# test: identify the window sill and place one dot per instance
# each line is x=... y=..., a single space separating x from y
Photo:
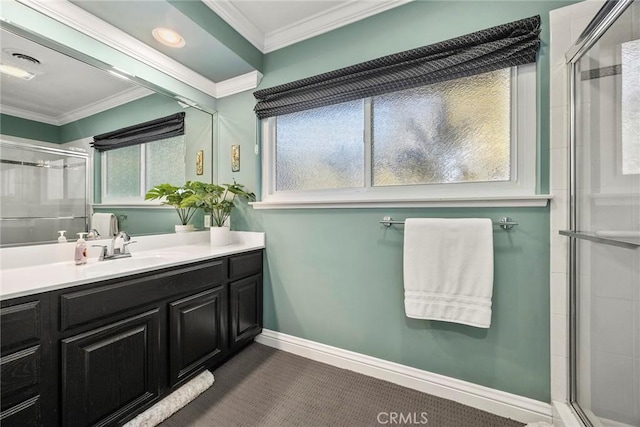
x=462 y=202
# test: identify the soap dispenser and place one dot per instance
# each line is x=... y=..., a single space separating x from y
x=61 y=238
x=81 y=250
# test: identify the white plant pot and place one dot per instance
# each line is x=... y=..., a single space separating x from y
x=184 y=228
x=219 y=236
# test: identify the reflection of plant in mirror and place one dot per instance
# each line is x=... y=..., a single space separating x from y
x=217 y=200
x=178 y=197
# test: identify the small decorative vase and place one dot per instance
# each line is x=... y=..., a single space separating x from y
x=219 y=236
x=184 y=228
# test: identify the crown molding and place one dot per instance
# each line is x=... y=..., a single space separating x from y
x=239 y=84
x=331 y=19
x=80 y=113
x=104 y=104
x=232 y=16
x=320 y=23
x=28 y=115
x=78 y=19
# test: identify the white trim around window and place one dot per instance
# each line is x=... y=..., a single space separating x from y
x=519 y=191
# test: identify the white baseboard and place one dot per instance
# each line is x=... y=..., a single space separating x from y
x=498 y=402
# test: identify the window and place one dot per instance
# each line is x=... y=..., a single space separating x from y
x=129 y=172
x=470 y=137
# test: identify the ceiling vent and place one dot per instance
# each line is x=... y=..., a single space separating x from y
x=23 y=57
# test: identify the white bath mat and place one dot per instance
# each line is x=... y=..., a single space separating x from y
x=172 y=403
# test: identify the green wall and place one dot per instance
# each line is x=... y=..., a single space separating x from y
x=29 y=129
x=335 y=275
x=199 y=13
x=141 y=221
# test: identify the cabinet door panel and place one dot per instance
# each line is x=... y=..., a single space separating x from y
x=245 y=305
x=196 y=332
x=109 y=371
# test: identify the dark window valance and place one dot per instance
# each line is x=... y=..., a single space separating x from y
x=507 y=45
x=154 y=130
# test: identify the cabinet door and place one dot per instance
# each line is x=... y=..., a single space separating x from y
x=196 y=328
x=245 y=309
x=110 y=371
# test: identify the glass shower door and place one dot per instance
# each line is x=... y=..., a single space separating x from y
x=605 y=217
x=42 y=190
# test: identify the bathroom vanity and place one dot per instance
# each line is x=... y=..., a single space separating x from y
x=101 y=351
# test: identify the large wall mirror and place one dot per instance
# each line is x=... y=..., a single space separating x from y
x=51 y=106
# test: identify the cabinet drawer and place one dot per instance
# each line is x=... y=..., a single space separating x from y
x=84 y=306
x=20 y=370
x=245 y=265
x=26 y=414
x=20 y=324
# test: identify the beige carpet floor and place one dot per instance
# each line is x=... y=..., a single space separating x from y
x=262 y=386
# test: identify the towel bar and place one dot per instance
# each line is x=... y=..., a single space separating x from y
x=505 y=223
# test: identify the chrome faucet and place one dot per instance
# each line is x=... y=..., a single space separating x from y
x=115 y=251
x=93 y=234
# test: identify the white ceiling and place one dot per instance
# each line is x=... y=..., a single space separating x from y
x=273 y=24
x=202 y=53
x=63 y=90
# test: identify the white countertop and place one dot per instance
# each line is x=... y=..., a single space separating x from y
x=34 y=269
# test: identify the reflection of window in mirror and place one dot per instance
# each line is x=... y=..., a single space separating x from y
x=631 y=107
x=126 y=174
x=129 y=172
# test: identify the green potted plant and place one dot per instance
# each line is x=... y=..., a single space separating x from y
x=218 y=201
x=178 y=197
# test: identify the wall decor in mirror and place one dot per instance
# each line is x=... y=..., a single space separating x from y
x=51 y=106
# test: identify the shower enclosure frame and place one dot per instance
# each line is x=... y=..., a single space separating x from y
x=80 y=155
x=601 y=22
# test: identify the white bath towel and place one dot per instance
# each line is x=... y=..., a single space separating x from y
x=105 y=223
x=448 y=270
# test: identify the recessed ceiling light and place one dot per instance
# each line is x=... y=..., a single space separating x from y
x=16 y=72
x=168 y=37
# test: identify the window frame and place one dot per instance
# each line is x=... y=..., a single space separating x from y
x=521 y=186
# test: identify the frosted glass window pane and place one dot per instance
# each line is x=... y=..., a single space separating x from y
x=321 y=148
x=165 y=162
x=123 y=172
x=631 y=107
x=455 y=131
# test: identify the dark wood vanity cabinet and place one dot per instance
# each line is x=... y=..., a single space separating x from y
x=26 y=363
x=197 y=332
x=245 y=298
x=98 y=354
x=109 y=371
